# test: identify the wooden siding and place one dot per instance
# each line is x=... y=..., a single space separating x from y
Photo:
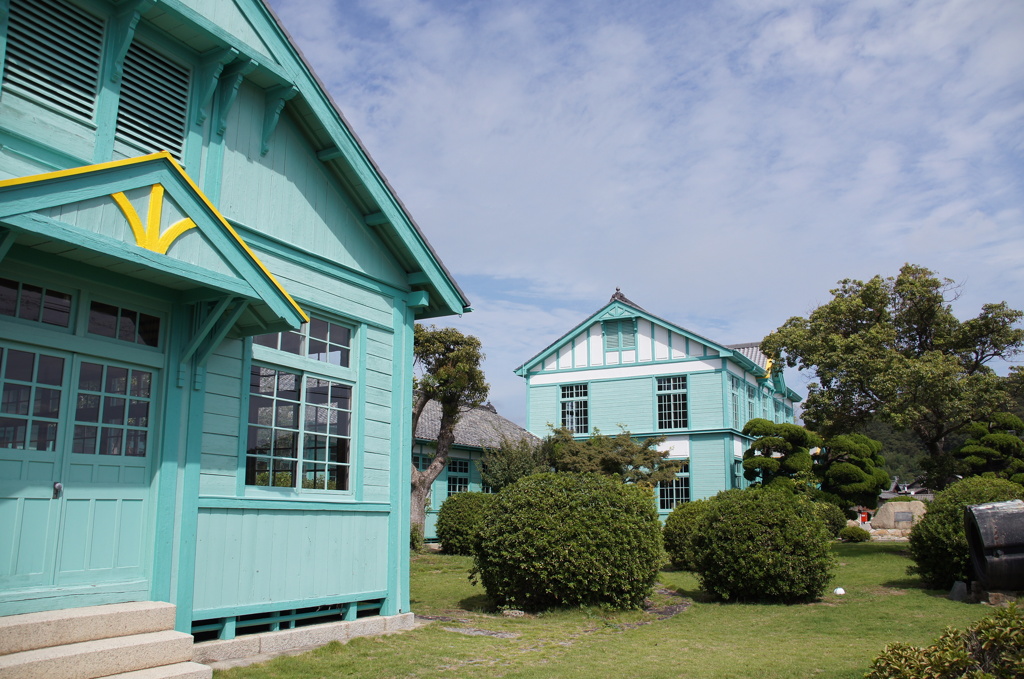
x=704 y=396
x=379 y=419
x=226 y=15
x=543 y=410
x=289 y=195
x=710 y=460
x=323 y=289
x=103 y=216
x=262 y=556
x=618 y=404
x=223 y=420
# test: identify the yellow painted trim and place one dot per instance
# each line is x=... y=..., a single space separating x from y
x=238 y=238
x=150 y=237
x=86 y=169
x=177 y=228
x=160 y=155
x=128 y=210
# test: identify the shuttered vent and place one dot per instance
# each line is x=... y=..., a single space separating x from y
x=628 y=334
x=53 y=54
x=154 y=102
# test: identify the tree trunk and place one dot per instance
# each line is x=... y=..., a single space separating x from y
x=423 y=480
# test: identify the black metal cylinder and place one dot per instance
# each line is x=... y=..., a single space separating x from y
x=995 y=536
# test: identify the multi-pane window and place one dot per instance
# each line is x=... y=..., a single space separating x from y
x=123 y=324
x=574 y=408
x=619 y=334
x=734 y=384
x=112 y=410
x=30 y=395
x=674 y=492
x=458 y=476
x=34 y=303
x=299 y=432
x=672 y=402
x=318 y=340
x=751 y=402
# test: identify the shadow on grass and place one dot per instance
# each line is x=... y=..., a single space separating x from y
x=478 y=603
x=859 y=550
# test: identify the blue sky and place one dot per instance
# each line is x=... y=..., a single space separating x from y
x=723 y=163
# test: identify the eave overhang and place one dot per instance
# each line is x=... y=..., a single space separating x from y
x=145 y=218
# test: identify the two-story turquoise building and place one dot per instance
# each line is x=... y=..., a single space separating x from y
x=207 y=299
x=625 y=368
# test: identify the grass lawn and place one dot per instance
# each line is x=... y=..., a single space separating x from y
x=836 y=637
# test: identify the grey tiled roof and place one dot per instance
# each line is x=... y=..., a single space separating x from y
x=481 y=427
x=751 y=350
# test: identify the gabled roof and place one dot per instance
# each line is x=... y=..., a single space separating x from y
x=128 y=216
x=619 y=306
x=480 y=427
x=752 y=350
x=273 y=61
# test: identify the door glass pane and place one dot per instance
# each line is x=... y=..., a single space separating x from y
x=32 y=397
x=20 y=365
x=102 y=399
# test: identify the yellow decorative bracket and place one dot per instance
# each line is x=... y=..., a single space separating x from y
x=149 y=236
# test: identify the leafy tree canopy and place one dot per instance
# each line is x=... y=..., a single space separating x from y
x=510 y=461
x=891 y=348
x=630 y=460
x=846 y=470
x=851 y=466
x=780 y=452
x=993 y=448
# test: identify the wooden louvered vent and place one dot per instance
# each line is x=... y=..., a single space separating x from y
x=53 y=55
x=154 y=102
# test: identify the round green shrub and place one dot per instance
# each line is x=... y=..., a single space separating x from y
x=459 y=519
x=565 y=539
x=761 y=545
x=854 y=534
x=833 y=516
x=992 y=648
x=679 y=529
x=938 y=543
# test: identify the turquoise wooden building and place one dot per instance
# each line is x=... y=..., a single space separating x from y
x=624 y=367
x=478 y=429
x=207 y=300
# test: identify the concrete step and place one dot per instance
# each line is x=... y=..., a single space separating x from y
x=182 y=670
x=74 y=625
x=99 y=658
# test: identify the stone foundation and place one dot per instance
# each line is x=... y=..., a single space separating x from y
x=263 y=646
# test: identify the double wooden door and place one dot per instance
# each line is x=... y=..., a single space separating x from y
x=77 y=449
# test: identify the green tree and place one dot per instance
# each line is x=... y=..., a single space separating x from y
x=510 y=461
x=780 y=453
x=903 y=451
x=851 y=467
x=993 y=448
x=449 y=373
x=629 y=459
x=891 y=348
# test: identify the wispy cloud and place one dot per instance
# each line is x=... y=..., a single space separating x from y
x=724 y=163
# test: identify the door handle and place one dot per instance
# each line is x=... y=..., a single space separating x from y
x=58 y=490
